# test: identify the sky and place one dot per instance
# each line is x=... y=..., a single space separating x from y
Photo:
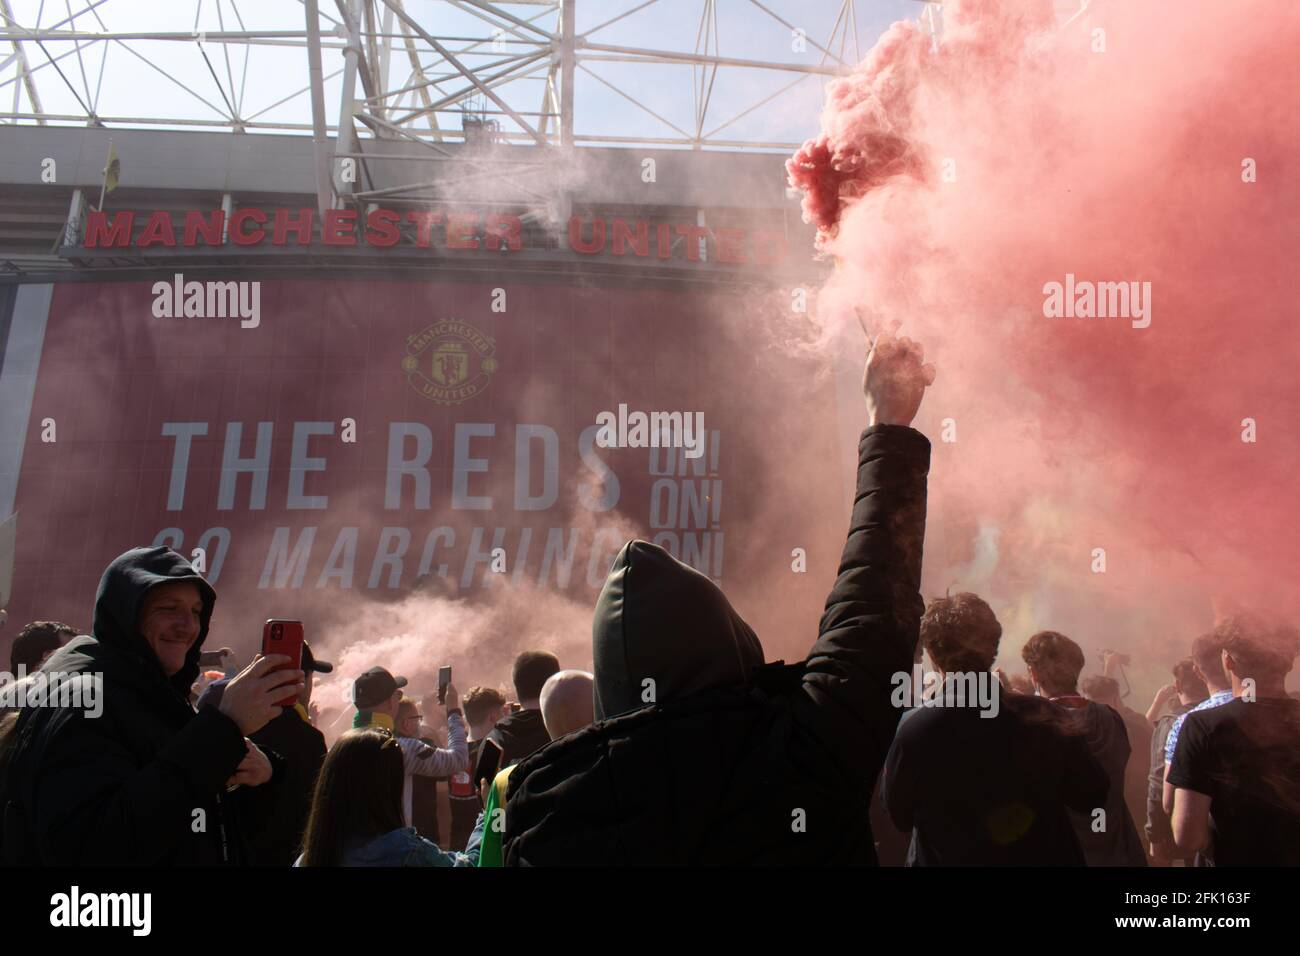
x=126 y=79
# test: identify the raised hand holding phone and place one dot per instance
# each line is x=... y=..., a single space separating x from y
x=284 y=638
x=251 y=699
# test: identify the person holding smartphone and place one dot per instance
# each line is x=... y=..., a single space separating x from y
x=126 y=785
x=377 y=695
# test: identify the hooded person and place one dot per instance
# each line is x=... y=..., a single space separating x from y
x=702 y=754
x=143 y=779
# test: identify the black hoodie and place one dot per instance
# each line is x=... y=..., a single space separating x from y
x=700 y=753
x=518 y=735
x=142 y=782
x=660 y=620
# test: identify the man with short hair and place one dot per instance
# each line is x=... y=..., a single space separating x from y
x=34 y=645
x=1236 y=767
x=424 y=789
x=377 y=695
x=1170 y=703
x=1207 y=657
x=566 y=703
x=484 y=706
x=522 y=732
x=984 y=787
x=1106 y=831
x=129 y=786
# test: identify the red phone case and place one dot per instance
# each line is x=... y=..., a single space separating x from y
x=289 y=641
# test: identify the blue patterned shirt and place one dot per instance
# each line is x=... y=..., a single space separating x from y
x=1214 y=700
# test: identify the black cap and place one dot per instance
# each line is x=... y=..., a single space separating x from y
x=374 y=687
x=310 y=664
x=212 y=694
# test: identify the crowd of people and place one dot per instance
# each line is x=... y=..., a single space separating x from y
x=683 y=745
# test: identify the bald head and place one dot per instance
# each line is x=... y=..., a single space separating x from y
x=567 y=702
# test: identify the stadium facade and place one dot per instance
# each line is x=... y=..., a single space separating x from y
x=413 y=404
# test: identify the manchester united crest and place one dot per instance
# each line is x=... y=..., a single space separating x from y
x=449 y=362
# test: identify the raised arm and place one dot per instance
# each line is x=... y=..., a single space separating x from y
x=425 y=761
x=869 y=629
x=1160 y=701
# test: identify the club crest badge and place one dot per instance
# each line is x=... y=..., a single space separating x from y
x=449 y=362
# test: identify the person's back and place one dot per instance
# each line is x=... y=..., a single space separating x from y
x=990 y=790
x=1106 y=831
x=1112 y=839
x=700 y=754
x=1137 y=768
x=400 y=847
x=303 y=747
x=521 y=733
x=356 y=809
x=702 y=780
x=1101 y=689
x=1159 y=836
x=978 y=775
x=1245 y=756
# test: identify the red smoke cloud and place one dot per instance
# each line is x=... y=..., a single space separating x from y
x=954 y=181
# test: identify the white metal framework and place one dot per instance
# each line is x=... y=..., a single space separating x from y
x=404 y=76
x=414 y=77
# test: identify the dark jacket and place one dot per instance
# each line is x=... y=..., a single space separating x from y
x=736 y=762
x=1102 y=728
x=519 y=735
x=144 y=782
x=277 y=839
x=1138 y=767
x=975 y=790
x=1158 y=827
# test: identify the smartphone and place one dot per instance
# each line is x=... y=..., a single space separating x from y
x=489 y=762
x=284 y=637
x=444 y=680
